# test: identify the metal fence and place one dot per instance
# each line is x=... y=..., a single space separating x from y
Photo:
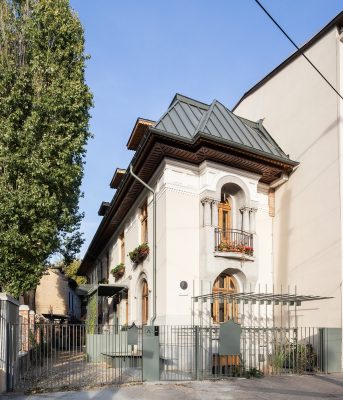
x=55 y=356
x=192 y=352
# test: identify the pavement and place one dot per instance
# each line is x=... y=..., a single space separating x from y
x=294 y=387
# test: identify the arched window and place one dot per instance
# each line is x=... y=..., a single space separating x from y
x=145 y=302
x=224 y=308
x=232 y=198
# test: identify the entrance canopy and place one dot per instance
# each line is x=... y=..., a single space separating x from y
x=261 y=298
x=103 y=289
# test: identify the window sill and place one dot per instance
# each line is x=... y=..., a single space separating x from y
x=233 y=255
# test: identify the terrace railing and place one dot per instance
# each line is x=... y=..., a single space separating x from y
x=234 y=241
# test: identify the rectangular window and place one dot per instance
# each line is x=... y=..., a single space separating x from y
x=144 y=223
x=122 y=248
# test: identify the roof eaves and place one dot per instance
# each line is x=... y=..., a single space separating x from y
x=133 y=137
x=113 y=202
x=117 y=176
x=248 y=149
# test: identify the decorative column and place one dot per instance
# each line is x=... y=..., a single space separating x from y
x=245 y=220
x=215 y=213
x=207 y=211
x=252 y=220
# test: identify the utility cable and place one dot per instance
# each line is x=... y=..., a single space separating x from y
x=298 y=48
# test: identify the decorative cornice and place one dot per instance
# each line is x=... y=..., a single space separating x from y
x=154 y=147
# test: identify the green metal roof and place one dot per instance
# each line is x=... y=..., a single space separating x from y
x=187 y=118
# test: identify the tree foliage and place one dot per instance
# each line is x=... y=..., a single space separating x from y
x=44 y=117
x=71 y=271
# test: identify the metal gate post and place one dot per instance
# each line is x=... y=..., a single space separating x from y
x=9 y=318
x=151 y=353
x=9 y=373
x=196 y=352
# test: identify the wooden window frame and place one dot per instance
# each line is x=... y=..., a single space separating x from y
x=144 y=222
x=122 y=248
x=224 y=211
x=229 y=310
x=145 y=302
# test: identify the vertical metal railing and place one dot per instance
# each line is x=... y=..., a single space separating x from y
x=189 y=353
x=234 y=240
x=62 y=355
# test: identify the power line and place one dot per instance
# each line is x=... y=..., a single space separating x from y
x=298 y=48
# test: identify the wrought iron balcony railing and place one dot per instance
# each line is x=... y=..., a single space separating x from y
x=234 y=241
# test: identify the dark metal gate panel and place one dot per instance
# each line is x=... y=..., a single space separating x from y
x=178 y=353
x=55 y=356
x=330 y=349
x=193 y=352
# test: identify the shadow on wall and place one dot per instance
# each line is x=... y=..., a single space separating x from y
x=281 y=261
x=328 y=130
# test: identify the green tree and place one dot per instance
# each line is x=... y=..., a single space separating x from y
x=71 y=271
x=44 y=122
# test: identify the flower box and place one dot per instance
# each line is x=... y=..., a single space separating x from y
x=140 y=253
x=234 y=247
x=119 y=271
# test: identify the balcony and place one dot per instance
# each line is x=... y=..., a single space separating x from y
x=234 y=243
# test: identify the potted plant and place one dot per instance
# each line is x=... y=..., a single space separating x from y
x=140 y=253
x=118 y=271
x=235 y=247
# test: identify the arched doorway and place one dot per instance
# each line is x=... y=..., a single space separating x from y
x=145 y=302
x=224 y=308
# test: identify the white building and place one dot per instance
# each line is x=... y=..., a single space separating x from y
x=305 y=117
x=215 y=176
x=234 y=212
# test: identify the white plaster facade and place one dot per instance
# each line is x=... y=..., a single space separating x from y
x=187 y=198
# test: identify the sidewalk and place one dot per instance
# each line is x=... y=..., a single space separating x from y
x=305 y=387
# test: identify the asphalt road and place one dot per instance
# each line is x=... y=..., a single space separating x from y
x=305 y=387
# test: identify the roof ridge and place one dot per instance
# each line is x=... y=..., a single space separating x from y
x=204 y=119
x=255 y=127
x=188 y=100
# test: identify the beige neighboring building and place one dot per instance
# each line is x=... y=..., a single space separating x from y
x=305 y=117
x=55 y=296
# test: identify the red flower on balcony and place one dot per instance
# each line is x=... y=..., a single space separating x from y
x=234 y=247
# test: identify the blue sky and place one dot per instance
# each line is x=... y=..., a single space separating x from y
x=145 y=51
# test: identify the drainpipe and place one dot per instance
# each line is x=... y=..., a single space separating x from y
x=154 y=243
